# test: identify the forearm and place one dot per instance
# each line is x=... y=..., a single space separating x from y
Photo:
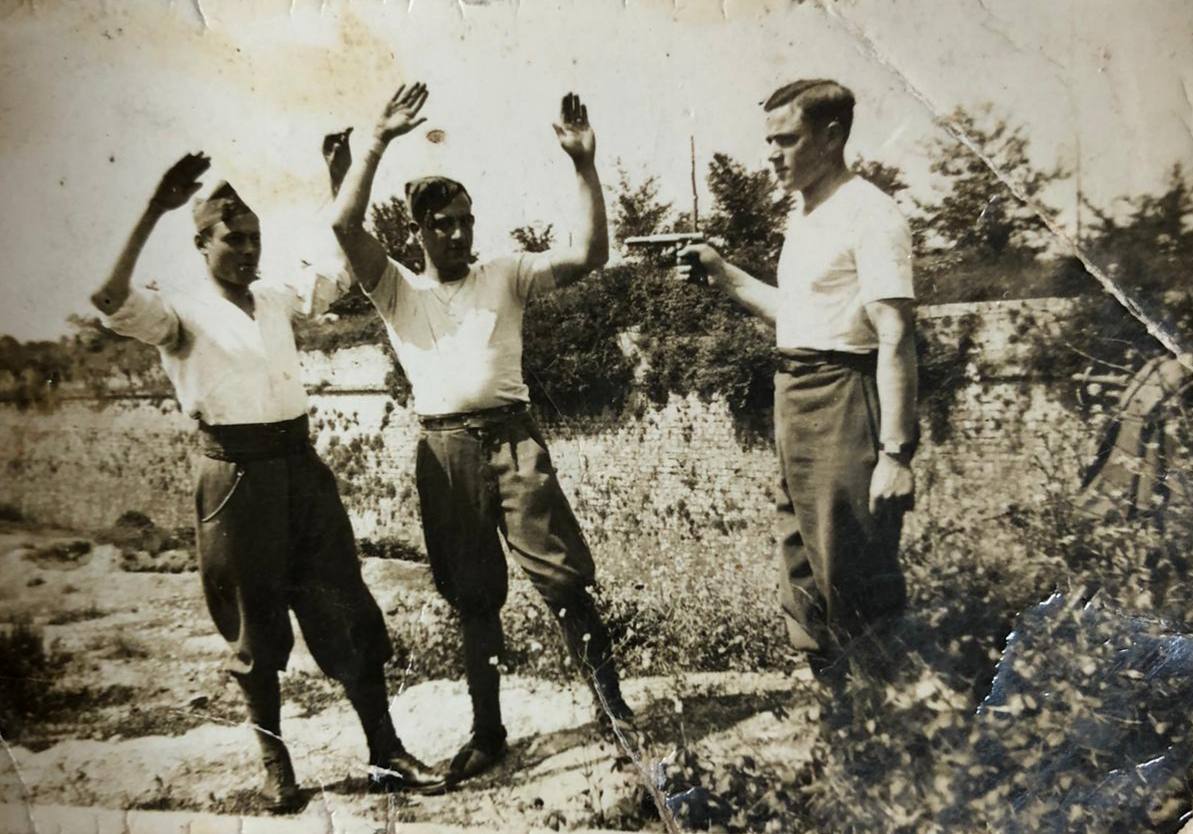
x=594 y=226
x=365 y=255
x=591 y=250
x=897 y=388
x=352 y=195
x=112 y=294
x=758 y=297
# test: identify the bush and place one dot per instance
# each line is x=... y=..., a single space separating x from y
x=572 y=359
x=27 y=671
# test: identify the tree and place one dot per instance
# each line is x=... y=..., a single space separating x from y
x=979 y=216
x=637 y=210
x=532 y=238
x=391 y=226
x=748 y=217
x=1151 y=248
x=1147 y=250
x=888 y=178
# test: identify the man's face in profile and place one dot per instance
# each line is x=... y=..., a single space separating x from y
x=800 y=153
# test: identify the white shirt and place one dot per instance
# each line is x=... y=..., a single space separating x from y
x=460 y=343
x=851 y=250
x=228 y=367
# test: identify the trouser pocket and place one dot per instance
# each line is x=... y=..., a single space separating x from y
x=218 y=481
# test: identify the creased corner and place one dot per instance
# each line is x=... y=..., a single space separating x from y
x=867 y=46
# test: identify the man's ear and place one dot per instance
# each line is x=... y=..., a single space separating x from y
x=201 y=242
x=414 y=230
x=834 y=134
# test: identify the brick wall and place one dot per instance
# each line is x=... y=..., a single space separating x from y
x=670 y=477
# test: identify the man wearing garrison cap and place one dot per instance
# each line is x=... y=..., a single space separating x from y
x=482 y=469
x=272 y=533
x=845 y=391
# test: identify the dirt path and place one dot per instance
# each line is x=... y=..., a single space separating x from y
x=144 y=719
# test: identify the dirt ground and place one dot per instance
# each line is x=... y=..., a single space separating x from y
x=136 y=713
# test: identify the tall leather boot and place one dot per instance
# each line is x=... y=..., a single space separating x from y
x=483 y=640
x=590 y=646
x=262 y=695
x=391 y=768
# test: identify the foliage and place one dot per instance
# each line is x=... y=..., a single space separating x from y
x=1079 y=728
x=979 y=216
x=26 y=671
x=695 y=341
x=687 y=339
x=888 y=178
x=944 y=371
x=89 y=356
x=392 y=225
x=534 y=238
x=572 y=358
x=748 y=218
x=1148 y=252
x=637 y=209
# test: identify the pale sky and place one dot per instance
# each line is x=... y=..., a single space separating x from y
x=99 y=98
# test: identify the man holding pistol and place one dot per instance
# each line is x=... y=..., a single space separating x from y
x=845 y=391
x=482 y=464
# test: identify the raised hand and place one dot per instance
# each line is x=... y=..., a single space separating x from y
x=573 y=130
x=181 y=182
x=401 y=112
x=337 y=153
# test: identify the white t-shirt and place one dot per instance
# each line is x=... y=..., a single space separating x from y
x=460 y=343
x=853 y=249
x=226 y=367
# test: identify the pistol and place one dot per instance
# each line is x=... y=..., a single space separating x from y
x=671 y=240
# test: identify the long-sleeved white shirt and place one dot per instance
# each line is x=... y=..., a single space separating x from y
x=228 y=367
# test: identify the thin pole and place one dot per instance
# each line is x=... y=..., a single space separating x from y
x=695 y=200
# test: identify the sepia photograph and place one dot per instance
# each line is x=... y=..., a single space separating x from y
x=596 y=415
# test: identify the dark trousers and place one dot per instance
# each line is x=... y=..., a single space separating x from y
x=840 y=569
x=487 y=475
x=273 y=536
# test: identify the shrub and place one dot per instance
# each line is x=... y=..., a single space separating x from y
x=27 y=671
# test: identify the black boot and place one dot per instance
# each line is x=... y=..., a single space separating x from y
x=614 y=716
x=591 y=648
x=483 y=640
x=391 y=768
x=279 y=791
x=483 y=750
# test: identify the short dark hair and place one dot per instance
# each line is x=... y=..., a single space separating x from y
x=822 y=101
x=427 y=195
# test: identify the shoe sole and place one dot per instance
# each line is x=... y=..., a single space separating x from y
x=453 y=780
x=405 y=787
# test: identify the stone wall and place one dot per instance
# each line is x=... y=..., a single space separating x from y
x=674 y=476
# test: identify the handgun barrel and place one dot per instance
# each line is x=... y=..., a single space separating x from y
x=665 y=239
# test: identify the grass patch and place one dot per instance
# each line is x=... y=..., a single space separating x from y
x=77 y=615
x=27 y=671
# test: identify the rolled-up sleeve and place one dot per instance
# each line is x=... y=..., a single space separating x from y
x=146 y=317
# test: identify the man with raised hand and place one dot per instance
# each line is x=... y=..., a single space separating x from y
x=272 y=533
x=845 y=391
x=482 y=464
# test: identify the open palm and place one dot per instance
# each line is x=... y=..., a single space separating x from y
x=181 y=182
x=401 y=112
x=573 y=130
